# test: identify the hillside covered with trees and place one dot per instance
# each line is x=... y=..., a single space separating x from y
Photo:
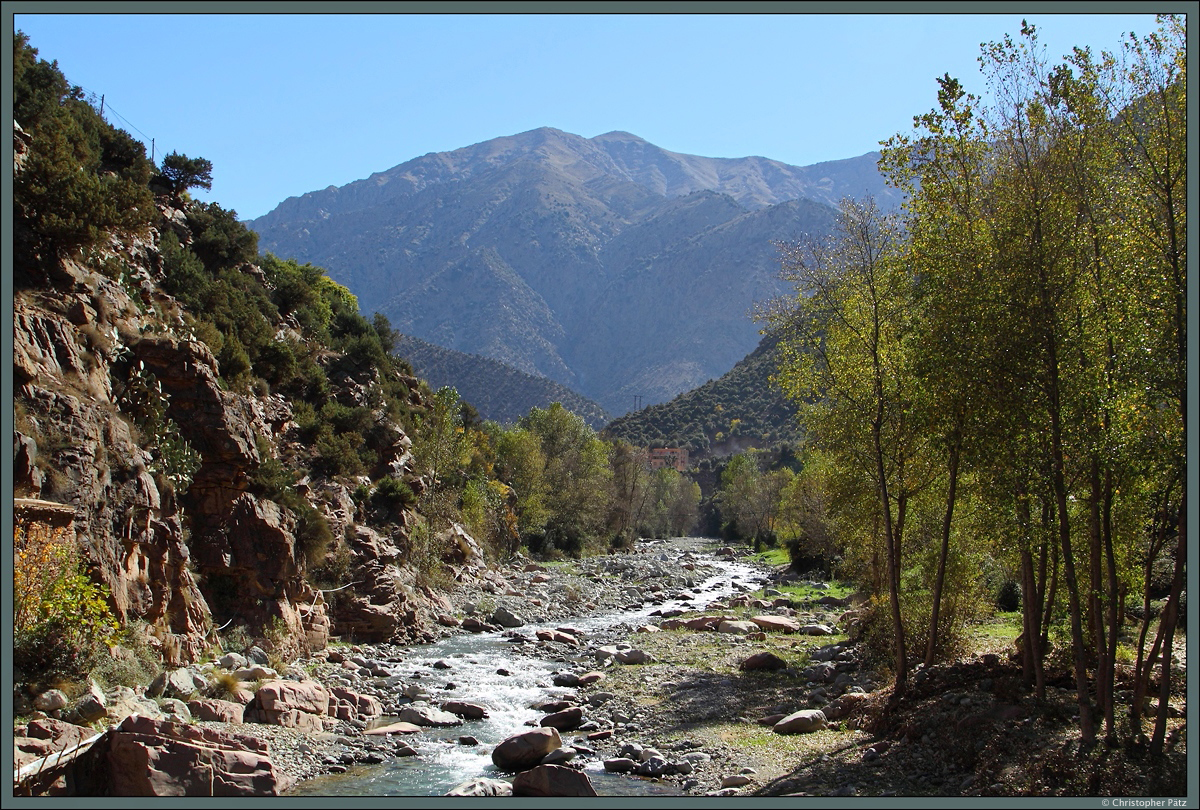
x=497 y=391
x=743 y=408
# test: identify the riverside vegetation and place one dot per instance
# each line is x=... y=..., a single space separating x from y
x=992 y=394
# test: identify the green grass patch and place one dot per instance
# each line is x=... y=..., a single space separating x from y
x=1000 y=629
x=798 y=592
x=774 y=556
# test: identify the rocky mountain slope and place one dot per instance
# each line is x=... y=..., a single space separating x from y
x=497 y=391
x=198 y=494
x=609 y=265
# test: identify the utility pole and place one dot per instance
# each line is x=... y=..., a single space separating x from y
x=637 y=402
x=101 y=105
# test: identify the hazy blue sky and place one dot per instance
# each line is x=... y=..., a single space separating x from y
x=285 y=104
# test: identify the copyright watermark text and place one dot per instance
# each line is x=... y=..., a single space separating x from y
x=1144 y=802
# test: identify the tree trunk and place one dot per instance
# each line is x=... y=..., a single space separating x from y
x=931 y=648
x=1170 y=619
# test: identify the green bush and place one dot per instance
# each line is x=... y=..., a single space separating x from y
x=393 y=496
x=337 y=454
x=60 y=616
x=82 y=178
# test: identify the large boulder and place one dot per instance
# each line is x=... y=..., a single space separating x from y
x=148 y=757
x=565 y=720
x=634 y=657
x=423 y=714
x=292 y=704
x=506 y=618
x=346 y=704
x=525 y=750
x=552 y=780
x=306 y=696
x=221 y=711
x=737 y=627
x=465 y=710
x=801 y=722
x=776 y=624
x=763 y=660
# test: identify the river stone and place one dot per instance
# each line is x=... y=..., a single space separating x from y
x=738 y=627
x=633 y=657
x=776 y=624
x=506 y=618
x=763 y=660
x=525 y=750
x=737 y=780
x=50 y=701
x=426 y=715
x=468 y=711
x=565 y=720
x=552 y=780
x=233 y=661
x=565 y=679
x=817 y=630
x=221 y=711
x=177 y=710
x=395 y=728
x=801 y=722
x=306 y=696
x=559 y=756
x=619 y=765
x=483 y=787
x=588 y=678
x=93 y=705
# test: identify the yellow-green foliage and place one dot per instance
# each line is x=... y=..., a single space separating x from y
x=59 y=613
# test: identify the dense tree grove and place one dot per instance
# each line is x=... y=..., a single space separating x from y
x=995 y=379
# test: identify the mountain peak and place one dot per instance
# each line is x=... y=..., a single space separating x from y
x=619 y=135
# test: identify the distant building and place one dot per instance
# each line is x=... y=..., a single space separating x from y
x=676 y=457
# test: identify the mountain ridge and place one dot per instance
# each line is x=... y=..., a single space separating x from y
x=608 y=264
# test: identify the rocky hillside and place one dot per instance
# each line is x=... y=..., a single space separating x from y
x=497 y=391
x=609 y=265
x=221 y=437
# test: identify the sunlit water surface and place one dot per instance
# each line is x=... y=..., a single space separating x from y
x=442 y=763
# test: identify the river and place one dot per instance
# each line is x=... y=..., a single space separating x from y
x=442 y=763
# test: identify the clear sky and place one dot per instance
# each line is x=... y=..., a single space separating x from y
x=286 y=104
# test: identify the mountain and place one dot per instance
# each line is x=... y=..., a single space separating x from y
x=741 y=409
x=609 y=265
x=497 y=391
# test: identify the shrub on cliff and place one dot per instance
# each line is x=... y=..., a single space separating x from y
x=60 y=616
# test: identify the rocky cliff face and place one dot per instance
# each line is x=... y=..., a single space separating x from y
x=185 y=556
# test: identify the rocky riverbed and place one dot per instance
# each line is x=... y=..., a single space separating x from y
x=647 y=668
